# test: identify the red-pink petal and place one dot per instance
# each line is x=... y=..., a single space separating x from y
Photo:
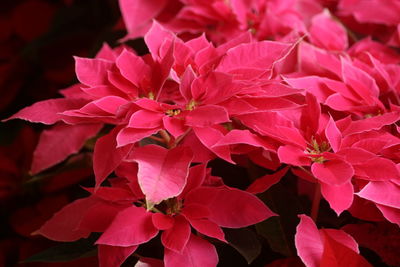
x=176 y=238
x=162 y=173
x=328 y=33
x=60 y=141
x=339 y=197
x=107 y=157
x=333 y=172
x=230 y=207
x=293 y=155
x=263 y=183
x=138 y=14
x=110 y=256
x=162 y=221
x=197 y=253
x=47 y=111
x=333 y=135
x=205 y=116
x=132 y=226
x=337 y=254
x=341 y=237
x=308 y=242
x=92 y=71
x=384 y=193
x=133 y=68
x=208 y=228
x=391 y=214
x=68 y=219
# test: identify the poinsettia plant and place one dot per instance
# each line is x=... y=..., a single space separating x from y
x=251 y=133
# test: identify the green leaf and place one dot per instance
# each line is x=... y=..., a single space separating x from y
x=245 y=242
x=280 y=231
x=65 y=252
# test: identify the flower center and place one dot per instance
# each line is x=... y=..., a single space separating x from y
x=169 y=206
x=315 y=150
x=191 y=105
x=173 y=112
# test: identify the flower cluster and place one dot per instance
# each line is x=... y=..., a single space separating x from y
x=276 y=84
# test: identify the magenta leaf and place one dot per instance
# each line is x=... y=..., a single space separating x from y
x=68 y=219
x=333 y=135
x=263 y=183
x=132 y=226
x=336 y=254
x=107 y=156
x=133 y=68
x=111 y=256
x=47 y=111
x=60 y=141
x=205 y=116
x=162 y=173
x=225 y=203
x=333 y=172
x=208 y=228
x=176 y=237
x=92 y=71
x=197 y=253
x=384 y=193
x=339 y=197
x=308 y=242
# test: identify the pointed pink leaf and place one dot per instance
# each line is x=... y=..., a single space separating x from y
x=308 y=242
x=230 y=207
x=132 y=226
x=333 y=135
x=99 y=216
x=205 y=116
x=137 y=15
x=333 y=172
x=162 y=221
x=337 y=254
x=196 y=177
x=377 y=169
x=133 y=68
x=208 y=228
x=384 y=193
x=107 y=157
x=293 y=155
x=195 y=211
x=209 y=136
x=341 y=103
x=54 y=147
x=362 y=83
x=68 y=219
x=391 y=214
x=341 y=237
x=110 y=256
x=145 y=119
x=197 y=253
x=176 y=238
x=110 y=104
x=162 y=173
x=47 y=111
x=339 y=197
x=244 y=137
x=130 y=135
x=156 y=37
x=328 y=33
x=263 y=183
x=318 y=61
x=260 y=55
x=92 y=71
x=374 y=123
